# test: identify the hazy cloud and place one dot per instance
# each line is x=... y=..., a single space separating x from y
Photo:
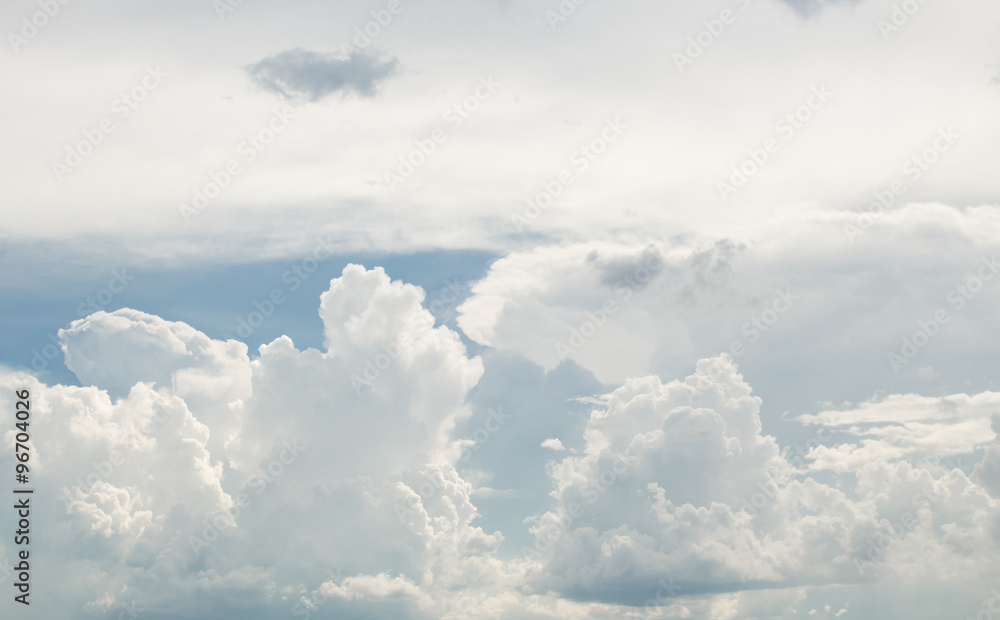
x=300 y=74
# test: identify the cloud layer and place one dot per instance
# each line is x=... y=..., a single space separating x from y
x=188 y=477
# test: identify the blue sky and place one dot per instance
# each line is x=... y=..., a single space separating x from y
x=33 y=309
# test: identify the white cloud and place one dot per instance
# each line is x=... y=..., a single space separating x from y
x=553 y=444
x=320 y=499
x=693 y=136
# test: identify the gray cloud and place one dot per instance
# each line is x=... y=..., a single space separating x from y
x=302 y=75
x=810 y=8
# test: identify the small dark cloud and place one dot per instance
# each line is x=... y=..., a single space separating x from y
x=302 y=75
x=614 y=270
x=811 y=8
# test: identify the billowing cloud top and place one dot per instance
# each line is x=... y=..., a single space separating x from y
x=185 y=475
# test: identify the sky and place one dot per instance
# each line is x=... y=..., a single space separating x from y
x=505 y=309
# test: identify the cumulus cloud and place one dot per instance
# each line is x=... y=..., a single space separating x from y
x=332 y=482
x=760 y=299
x=553 y=444
x=680 y=494
x=175 y=490
x=304 y=75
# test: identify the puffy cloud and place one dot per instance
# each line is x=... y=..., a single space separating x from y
x=293 y=482
x=677 y=482
x=206 y=451
x=116 y=351
x=553 y=444
x=679 y=495
x=809 y=315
